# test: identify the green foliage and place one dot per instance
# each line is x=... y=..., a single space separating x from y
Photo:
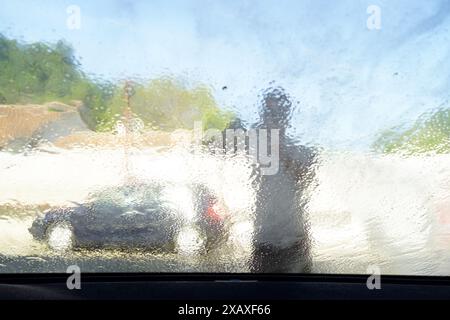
x=167 y=104
x=39 y=73
x=430 y=133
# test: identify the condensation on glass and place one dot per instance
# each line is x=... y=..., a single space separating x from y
x=292 y=137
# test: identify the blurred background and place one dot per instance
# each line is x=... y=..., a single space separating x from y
x=369 y=81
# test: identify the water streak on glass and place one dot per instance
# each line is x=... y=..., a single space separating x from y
x=128 y=136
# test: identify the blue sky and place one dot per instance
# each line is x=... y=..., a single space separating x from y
x=351 y=82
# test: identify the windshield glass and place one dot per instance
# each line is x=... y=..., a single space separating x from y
x=220 y=136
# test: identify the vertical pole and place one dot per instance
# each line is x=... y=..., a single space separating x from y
x=127 y=124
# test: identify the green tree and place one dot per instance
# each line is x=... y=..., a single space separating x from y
x=37 y=72
x=430 y=133
x=41 y=72
x=167 y=104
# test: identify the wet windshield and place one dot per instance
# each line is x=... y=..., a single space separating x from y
x=211 y=136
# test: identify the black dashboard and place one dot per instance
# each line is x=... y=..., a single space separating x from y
x=219 y=287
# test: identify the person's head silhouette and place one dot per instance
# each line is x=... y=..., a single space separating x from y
x=276 y=109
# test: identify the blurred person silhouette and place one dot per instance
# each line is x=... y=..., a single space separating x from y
x=281 y=243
